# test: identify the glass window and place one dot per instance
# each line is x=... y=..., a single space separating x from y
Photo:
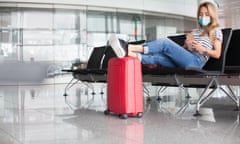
x=67 y=52
x=37 y=34
x=131 y=25
x=38 y=18
x=159 y=26
x=58 y=36
x=64 y=19
x=38 y=53
x=9 y=34
x=97 y=39
x=99 y=25
x=96 y=22
x=37 y=37
x=67 y=27
x=67 y=31
x=66 y=37
x=64 y=33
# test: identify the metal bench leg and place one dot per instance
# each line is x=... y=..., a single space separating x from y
x=202 y=99
x=232 y=96
x=69 y=85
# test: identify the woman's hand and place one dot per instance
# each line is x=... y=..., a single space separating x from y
x=215 y=52
x=197 y=46
x=188 y=41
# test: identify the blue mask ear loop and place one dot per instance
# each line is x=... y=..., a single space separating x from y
x=200 y=21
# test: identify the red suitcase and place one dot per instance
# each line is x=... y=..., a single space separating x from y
x=124 y=87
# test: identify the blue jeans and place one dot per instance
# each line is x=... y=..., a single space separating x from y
x=169 y=54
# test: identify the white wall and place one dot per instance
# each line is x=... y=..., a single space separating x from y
x=179 y=7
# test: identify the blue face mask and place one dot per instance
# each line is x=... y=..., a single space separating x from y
x=204 y=21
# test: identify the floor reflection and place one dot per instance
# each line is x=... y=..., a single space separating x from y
x=39 y=114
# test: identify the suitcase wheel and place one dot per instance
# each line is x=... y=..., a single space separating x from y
x=140 y=114
x=123 y=116
x=106 y=112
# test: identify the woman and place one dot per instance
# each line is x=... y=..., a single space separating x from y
x=200 y=44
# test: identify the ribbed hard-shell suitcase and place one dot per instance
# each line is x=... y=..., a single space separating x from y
x=124 y=87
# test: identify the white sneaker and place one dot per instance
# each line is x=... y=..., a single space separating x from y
x=116 y=46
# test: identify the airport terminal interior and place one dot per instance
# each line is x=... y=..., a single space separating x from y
x=40 y=103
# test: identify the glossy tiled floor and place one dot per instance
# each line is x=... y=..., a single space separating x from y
x=39 y=115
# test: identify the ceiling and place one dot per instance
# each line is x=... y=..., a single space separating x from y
x=229 y=13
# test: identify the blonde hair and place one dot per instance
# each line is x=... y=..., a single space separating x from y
x=212 y=10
